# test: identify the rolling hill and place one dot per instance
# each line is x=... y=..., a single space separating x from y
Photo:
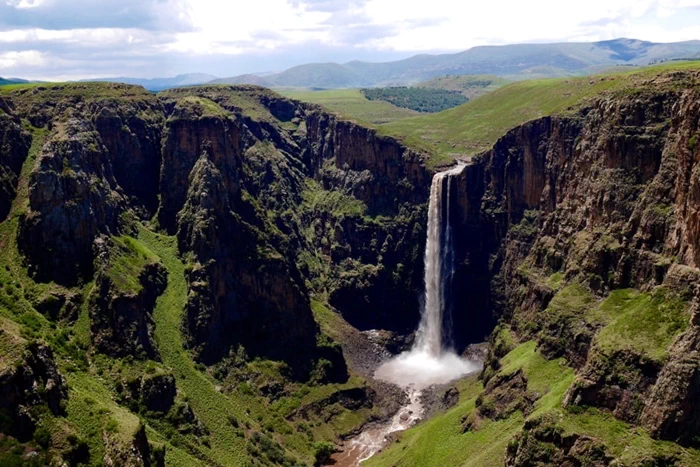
x=160 y=84
x=6 y=81
x=520 y=61
x=244 y=79
x=471 y=86
x=474 y=127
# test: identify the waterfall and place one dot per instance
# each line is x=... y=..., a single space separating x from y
x=435 y=326
x=432 y=360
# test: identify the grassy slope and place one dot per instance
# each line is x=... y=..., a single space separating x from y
x=471 y=86
x=475 y=126
x=352 y=104
x=209 y=405
x=645 y=322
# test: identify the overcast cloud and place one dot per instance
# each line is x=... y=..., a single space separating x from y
x=62 y=39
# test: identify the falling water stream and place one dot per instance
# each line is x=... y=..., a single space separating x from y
x=431 y=360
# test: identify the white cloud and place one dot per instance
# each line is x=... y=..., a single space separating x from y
x=26 y=58
x=99 y=37
x=500 y=21
x=238 y=27
x=25 y=3
x=96 y=36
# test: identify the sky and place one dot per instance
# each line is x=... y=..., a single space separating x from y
x=62 y=39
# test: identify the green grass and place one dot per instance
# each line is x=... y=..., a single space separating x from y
x=46 y=95
x=471 y=86
x=574 y=298
x=128 y=258
x=439 y=441
x=316 y=199
x=243 y=99
x=555 y=280
x=630 y=444
x=202 y=106
x=541 y=373
x=643 y=322
x=211 y=406
x=474 y=127
x=351 y=104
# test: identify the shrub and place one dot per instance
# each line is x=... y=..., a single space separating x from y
x=42 y=437
x=233 y=420
x=323 y=451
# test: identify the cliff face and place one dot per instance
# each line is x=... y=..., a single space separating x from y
x=72 y=200
x=374 y=169
x=377 y=251
x=131 y=135
x=271 y=200
x=567 y=211
x=85 y=177
x=14 y=148
x=29 y=381
x=121 y=308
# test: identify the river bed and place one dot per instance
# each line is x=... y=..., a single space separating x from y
x=365 y=445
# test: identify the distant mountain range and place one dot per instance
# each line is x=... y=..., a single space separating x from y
x=520 y=61
x=159 y=84
x=4 y=81
x=510 y=61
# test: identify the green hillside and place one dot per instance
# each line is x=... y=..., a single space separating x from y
x=516 y=61
x=5 y=82
x=471 y=86
x=475 y=126
x=353 y=105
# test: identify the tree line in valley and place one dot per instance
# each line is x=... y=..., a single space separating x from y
x=418 y=99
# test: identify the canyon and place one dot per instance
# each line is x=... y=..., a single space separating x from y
x=212 y=275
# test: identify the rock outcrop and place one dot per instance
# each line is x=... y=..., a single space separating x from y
x=137 y=453
x=122 y=301
x=543 y=442
x=101 y=158
x=31 y=381
x=619 y=382
x=154 y=392
x=671 y=411
x=72 y=200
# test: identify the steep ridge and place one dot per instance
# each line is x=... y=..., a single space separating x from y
x=270 y=202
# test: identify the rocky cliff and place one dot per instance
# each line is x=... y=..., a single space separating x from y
x=29 y=383
x=271 y=203
x=14 y=148
x=570 y=215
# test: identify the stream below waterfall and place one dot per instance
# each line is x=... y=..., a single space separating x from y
x=363 y=446
x=431 y=360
